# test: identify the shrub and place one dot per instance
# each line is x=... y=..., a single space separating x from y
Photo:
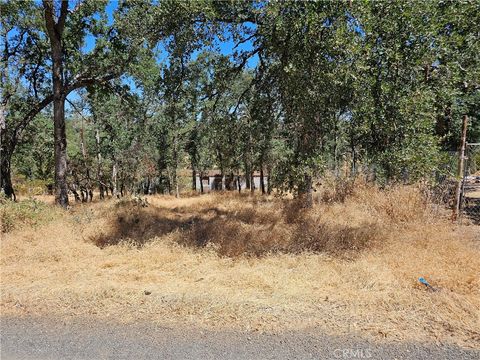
x=31 y=187
x=15 y=215
x=337 y=190
x=336 y=239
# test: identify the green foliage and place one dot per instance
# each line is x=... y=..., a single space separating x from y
x=34 y=155
x=379 y=87
x=26 y=213
x=30 y=187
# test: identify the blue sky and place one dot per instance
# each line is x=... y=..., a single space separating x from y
x=90 y=41
x=225 y=47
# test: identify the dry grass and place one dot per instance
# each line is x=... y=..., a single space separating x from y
x=254 y=263
x=28 y=213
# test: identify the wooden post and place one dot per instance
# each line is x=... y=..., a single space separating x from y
x=461 y=164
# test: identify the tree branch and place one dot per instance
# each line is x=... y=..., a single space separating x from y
x=245 y=40
x=83 y=82
x=49 y=19
x=246 y=56
x=29 y=117
x=79 y=5
x=240 y=98
x=49 y=98
x=62 y=17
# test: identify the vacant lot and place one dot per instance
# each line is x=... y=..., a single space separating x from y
x=250 y=263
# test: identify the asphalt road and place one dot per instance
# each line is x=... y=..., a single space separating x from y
x=41 y=338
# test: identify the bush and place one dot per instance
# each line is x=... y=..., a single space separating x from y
x=338 y=190
x=15 y=215
x=336 y=239
x=31 y=187
x=256 y=226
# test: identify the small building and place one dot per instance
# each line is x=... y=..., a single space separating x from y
x=212 y=181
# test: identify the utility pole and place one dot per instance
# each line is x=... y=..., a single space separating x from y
x=460 y=173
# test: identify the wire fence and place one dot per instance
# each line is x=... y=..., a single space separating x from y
x=470 y=201
x=441 y=187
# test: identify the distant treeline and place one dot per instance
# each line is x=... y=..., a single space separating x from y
x=292 y=89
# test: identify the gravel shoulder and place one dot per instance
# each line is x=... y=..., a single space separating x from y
x=45 y=338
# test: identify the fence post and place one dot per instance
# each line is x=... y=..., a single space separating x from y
x=461 y=160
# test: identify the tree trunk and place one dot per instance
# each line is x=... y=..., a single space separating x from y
x=201 y=182
x=252 y=182
x=55 y=31
x=169 y=183
x=269 y=181
x=99 y=165
x=308 y=192
x=85 y=164
x=247 y=177
x=74 y=192
x=114 y=180
x=175 y=166
x=354 y=158
x=262 y=181
x=335 y=149
x=146 y=186
x=6 y=177
x=173 y=182
x=220 y=160
x=60 y=137
x=194 y=180
x=84 y=193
